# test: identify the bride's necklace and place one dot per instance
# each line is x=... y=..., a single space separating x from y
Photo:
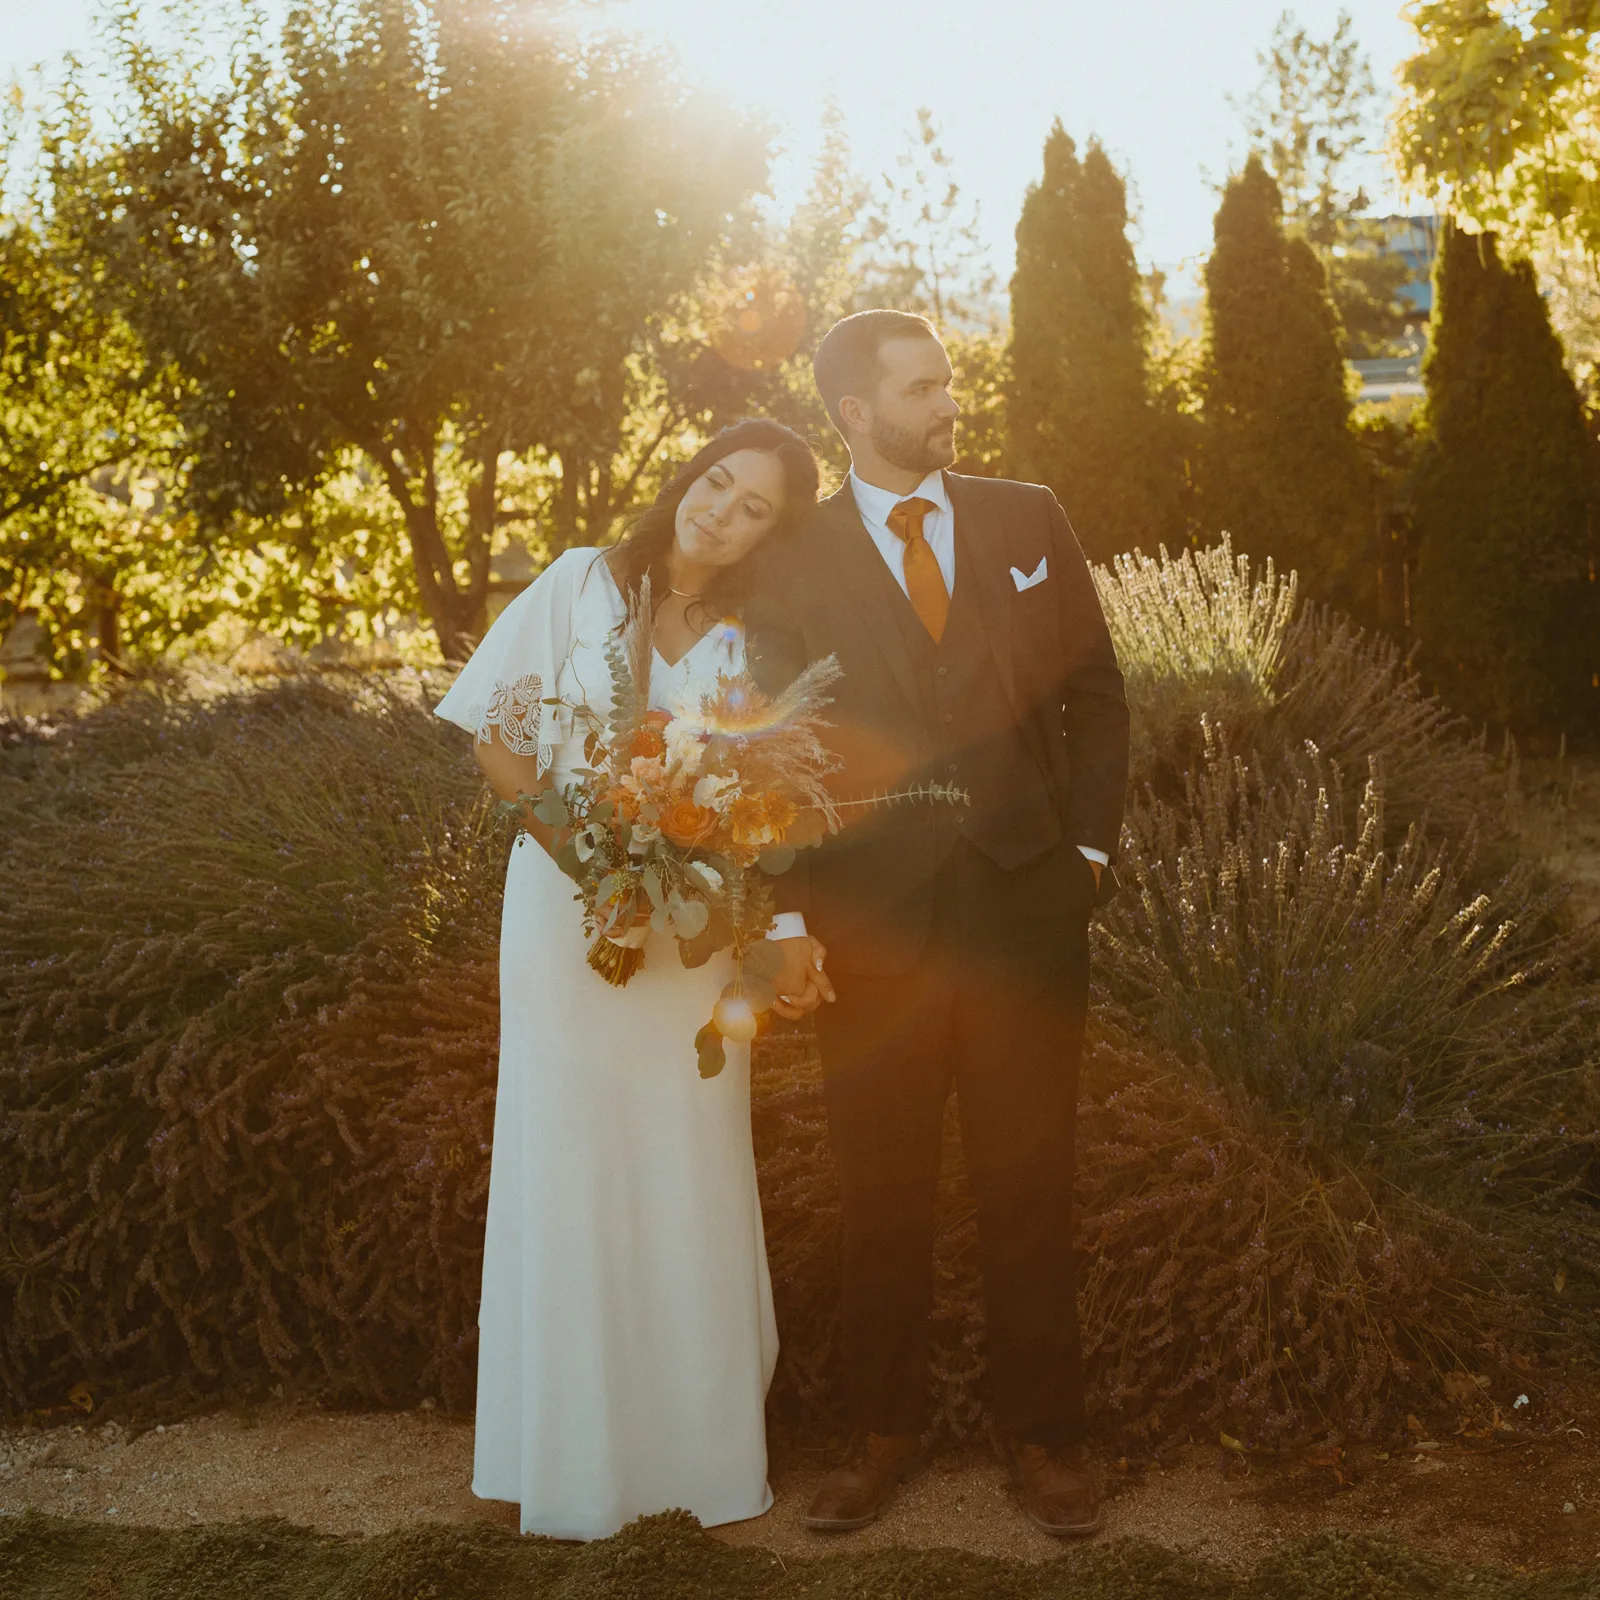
x=682 y=595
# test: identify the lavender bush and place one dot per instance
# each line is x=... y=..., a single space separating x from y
x=1338 y=1133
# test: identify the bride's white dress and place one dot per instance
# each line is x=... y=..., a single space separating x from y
x=625 y=1336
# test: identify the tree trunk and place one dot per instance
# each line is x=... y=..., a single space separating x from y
x=456 y=614
x=108 y=627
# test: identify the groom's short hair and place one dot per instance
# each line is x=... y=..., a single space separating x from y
x=849 y=359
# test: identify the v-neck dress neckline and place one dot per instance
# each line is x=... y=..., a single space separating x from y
x=622 y=600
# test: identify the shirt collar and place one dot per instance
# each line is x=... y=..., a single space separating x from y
x=875 y=504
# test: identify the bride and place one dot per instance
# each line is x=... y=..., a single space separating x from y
x=625 y=1334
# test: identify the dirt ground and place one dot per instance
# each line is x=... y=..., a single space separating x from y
x=1527 y=1504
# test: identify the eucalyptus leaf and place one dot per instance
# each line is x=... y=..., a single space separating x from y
x=689 y=917
x=551 y=810
x=652 y=887
x=759 y=992
x=763 y=959
x=709 y=1048
x=807 y=830
x=777 y=859
x=717 y=934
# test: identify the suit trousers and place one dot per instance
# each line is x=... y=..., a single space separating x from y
x=995 y=1008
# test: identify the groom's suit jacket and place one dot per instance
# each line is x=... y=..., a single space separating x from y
x=1020 y=704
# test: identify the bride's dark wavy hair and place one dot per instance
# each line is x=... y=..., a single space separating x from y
x=646 y=544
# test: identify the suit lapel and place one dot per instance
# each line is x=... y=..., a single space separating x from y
x=859 y=570
x=983 y=559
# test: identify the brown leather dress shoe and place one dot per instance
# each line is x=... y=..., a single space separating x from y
x=1059 y=1493
x=859 y=1487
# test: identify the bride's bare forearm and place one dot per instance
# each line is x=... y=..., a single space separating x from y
x=511 y=775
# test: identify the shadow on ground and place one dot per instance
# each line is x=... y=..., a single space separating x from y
x=669 y=1557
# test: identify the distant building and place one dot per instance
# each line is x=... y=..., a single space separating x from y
x=1416 y=241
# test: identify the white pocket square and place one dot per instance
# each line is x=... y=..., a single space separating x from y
x=1038 y=575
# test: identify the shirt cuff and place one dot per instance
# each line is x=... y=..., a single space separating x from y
x=787 y=925
x=1095 y=855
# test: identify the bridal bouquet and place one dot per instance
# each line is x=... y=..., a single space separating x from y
x=679 y=820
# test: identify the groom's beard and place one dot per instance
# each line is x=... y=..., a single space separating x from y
x=915 y=452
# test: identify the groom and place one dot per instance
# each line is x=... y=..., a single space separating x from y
x=974 y=655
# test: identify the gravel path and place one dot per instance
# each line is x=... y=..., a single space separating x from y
x=1532 y=1505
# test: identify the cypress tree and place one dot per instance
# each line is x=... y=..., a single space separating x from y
x=1505 y=599
x=1079 y=410
x=1280 y=468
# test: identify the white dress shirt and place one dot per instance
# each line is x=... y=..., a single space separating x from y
x=939 y=529
x=938 y=525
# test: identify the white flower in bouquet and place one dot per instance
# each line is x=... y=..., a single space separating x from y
x=685 y=746
x=714 y=792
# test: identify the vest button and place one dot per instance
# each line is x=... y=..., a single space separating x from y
x=951 y=768
x=949 y=716
x=944 y=672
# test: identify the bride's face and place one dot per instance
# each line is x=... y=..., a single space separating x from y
x=730 y=508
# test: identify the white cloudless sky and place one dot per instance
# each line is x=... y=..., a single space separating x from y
x=1151 y=80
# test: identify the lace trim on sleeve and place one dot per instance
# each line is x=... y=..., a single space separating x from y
x=517 y=709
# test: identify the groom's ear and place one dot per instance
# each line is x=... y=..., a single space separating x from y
x=853 y=414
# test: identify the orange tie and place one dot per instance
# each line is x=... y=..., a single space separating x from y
x=924 y=581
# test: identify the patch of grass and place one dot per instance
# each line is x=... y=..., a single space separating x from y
x=669 y=1557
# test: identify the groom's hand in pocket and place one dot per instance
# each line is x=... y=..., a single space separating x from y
x=801 y=983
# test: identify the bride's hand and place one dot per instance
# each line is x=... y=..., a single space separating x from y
x=802 y=984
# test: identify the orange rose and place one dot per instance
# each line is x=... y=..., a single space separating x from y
x=687 y=824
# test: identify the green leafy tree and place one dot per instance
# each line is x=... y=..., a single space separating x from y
x=910 y=243
x=1314 y=118
x=83 y=425
x=921 y=245
x=1080 y=408
x=1501 y=114
x=1500 y=120
x=1507 y=606
x=1280 y=468
x=440 y=234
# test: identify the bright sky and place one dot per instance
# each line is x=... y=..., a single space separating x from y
x=1151 y=80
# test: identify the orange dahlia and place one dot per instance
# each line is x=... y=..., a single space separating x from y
x=780 y=812
x=747 y=820
x=648 y=741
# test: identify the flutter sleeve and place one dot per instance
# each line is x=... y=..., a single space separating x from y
x=514 y=669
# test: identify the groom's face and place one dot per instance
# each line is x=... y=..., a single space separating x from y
x=911 y=416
